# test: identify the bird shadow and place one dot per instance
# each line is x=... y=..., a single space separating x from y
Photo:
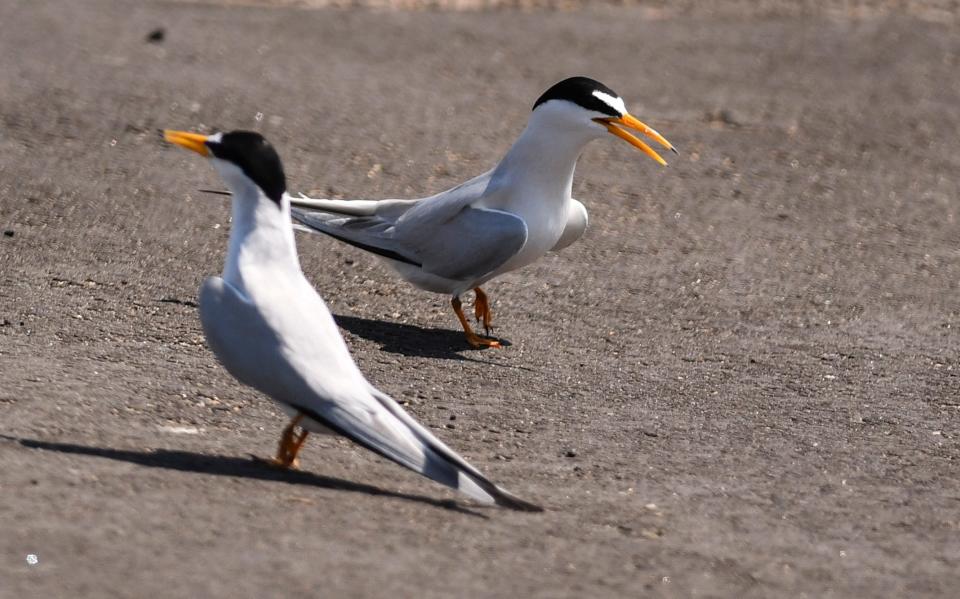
x=220 y=465
x=411 y=340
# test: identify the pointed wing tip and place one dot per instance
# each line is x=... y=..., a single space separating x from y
x=510 y=501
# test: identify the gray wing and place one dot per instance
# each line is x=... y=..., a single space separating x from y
x=469 y=244
x=311 y=371
x=446 y=234
x=259 y=355
x=370 y=233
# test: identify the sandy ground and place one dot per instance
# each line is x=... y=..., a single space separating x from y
x=743 y=381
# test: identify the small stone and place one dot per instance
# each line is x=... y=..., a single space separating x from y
x=157 y=35
x=8 y=233
x=724 y=116
x=651 y=533
x=571 y=453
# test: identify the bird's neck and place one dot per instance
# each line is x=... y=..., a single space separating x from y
x=542 y=161
x=261 y=246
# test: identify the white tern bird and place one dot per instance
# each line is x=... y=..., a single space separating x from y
x=506 y=218
x=272 y=331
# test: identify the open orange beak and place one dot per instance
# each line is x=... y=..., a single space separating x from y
x=631 y=122
x=190 y=141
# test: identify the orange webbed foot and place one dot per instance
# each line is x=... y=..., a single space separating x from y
x=472 y=338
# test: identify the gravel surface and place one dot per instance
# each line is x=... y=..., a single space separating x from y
x=743 y=381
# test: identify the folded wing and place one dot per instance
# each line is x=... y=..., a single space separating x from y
x=302 y=362
x=472 y=243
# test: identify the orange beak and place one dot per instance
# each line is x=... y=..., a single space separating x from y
x=631 y=122
x=190 y=141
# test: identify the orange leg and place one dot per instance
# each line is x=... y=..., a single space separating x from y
x=481 y=310
x=290 y=444
x=472 y=338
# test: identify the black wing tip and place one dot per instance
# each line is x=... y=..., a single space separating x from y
x=303 y=217
x=510 y=501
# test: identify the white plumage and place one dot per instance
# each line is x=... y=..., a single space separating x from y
x=272 y=331
x=505 y=219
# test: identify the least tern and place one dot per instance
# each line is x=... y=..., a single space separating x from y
x=272 y=331
x=506 y=218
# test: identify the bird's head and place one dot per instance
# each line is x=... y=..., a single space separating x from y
x=243 y=159
x=587 y=107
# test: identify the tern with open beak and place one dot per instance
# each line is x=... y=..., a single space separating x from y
x=272 y=331
x=502 y=220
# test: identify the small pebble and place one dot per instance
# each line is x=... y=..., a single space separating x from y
x=8 y=233
x=157 y=35
x=571 y=453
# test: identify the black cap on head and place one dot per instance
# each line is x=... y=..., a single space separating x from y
x=255 y=157
x=579 y=90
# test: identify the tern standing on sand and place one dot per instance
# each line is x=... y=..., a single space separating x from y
x=271 y=330
x=500 y=221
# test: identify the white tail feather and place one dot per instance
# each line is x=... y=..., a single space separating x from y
x=348 y=207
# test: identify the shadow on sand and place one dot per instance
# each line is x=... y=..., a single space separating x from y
x=253 y=468
x=411 y=340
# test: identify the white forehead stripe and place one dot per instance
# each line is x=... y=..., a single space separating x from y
x=216 y=137
x=615 y=103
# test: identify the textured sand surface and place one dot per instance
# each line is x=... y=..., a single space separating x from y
x=935 y=10
x=743 y=381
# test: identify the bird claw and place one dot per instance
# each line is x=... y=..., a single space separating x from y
x=478 y=342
